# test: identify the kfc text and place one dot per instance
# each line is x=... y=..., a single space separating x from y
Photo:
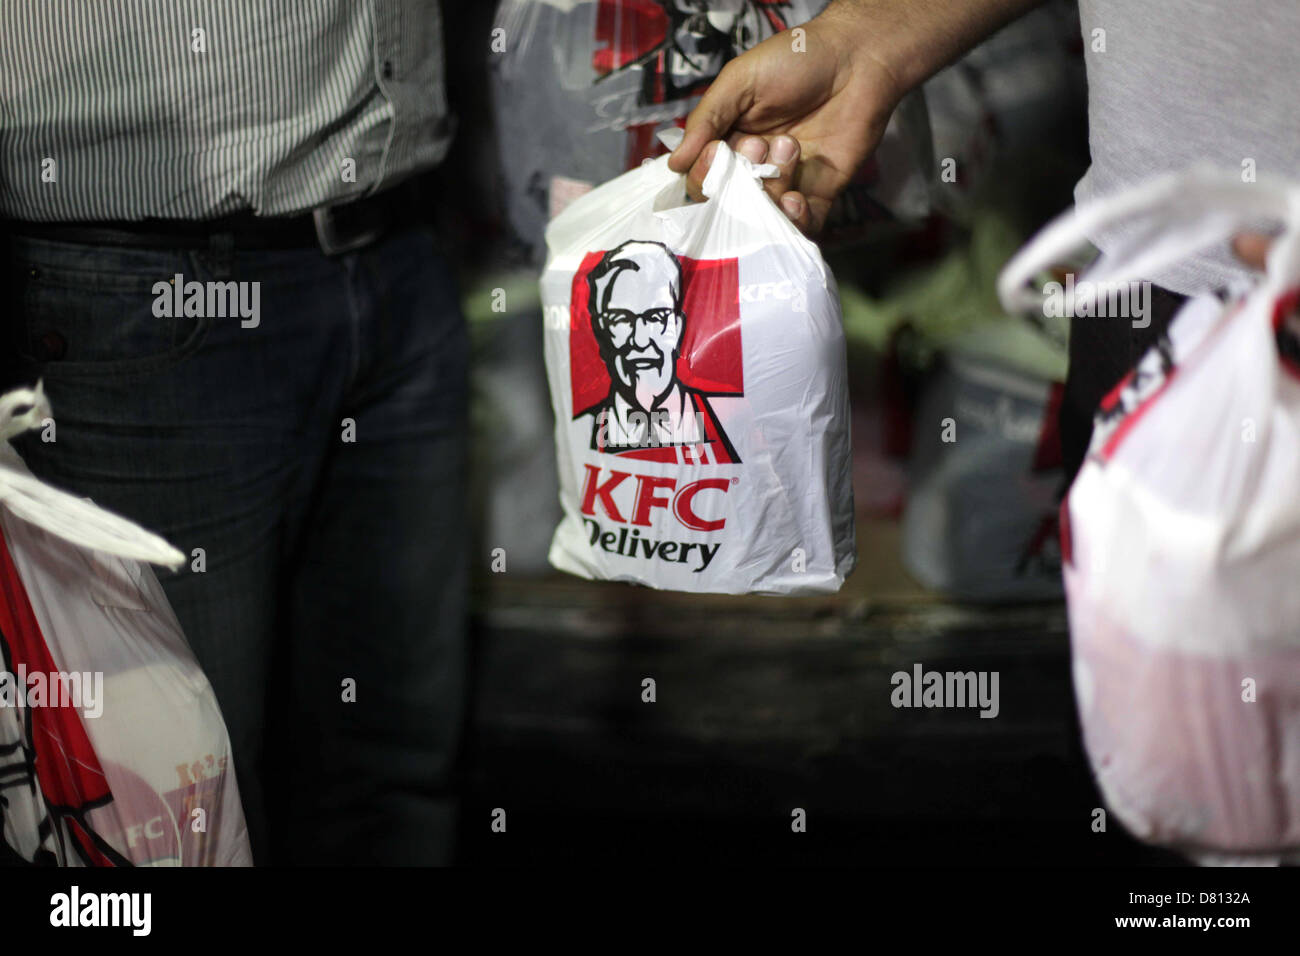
x=696 y=505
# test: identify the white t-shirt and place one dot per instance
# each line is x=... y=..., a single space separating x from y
x=1175 y=82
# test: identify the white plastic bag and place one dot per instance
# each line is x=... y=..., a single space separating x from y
x=697 y=371
x=113 y=751
x=1181 y=533
x=980 y=520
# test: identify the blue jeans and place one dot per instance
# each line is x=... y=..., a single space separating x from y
x=311 y=462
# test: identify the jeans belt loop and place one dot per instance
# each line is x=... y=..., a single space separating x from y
x=221 y=248
x=332 y=236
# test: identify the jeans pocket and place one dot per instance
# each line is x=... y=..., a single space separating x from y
x=90 y=313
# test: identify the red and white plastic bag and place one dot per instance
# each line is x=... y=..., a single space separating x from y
x=1181 y=533
x=697 y=370
x=113 y=751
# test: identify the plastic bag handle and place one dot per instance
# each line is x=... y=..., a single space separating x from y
x=726 y=163
x=66 y=516
x=1191 y=210
x=723 y=160
x=15 y=421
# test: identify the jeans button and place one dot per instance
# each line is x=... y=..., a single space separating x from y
x=51 y=347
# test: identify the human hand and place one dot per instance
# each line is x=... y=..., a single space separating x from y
x=816 y=115
x=1252 y=249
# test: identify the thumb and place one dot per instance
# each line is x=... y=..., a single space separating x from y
x=723 y=102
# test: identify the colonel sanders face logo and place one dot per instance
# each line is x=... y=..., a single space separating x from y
x=707 y=35
x=635 y=306
x=636 y=315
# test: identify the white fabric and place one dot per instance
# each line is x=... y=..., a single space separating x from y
x=1186 y=81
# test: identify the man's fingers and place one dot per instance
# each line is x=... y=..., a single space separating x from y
x=819 y=210
x=796 y=207
x=1252 y=249
x=808 y=214
x=696 y=138
x=700 y=169
x=783 y=153
x=753 y=148
x=725 y=99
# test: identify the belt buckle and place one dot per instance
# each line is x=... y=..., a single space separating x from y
x=335 y=240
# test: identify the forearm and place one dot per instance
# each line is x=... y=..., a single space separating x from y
x=914 y=39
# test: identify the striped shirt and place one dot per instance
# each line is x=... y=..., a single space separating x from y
x=193 y=109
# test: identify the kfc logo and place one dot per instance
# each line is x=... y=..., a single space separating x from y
x=677 y=47
x=1123 y=405
x=654 y=338
x=55 y=806
x=682 y=501
x=680 y=45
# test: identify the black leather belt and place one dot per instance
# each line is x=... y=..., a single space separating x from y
x=332 y=229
